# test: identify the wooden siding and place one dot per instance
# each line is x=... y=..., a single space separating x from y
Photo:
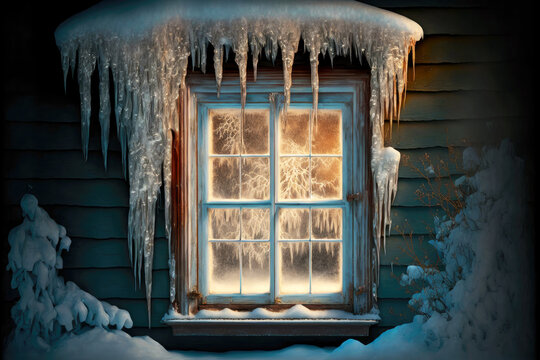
x=458 y=96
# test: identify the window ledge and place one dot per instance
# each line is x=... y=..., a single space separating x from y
x=270 y=327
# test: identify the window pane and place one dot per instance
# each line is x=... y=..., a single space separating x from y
x=255 y=178
x=255 y=224
x=224 y=131
x=294 y=132
x=326 y=223
x=326 y=267
x=293 y=223
x=256 y=268
x=326 y=178
x=293 y=178
x=224 y=266
x=326 y=133
x=294 y=267
x=224 y=174
x=223 y=224
x=255 y=132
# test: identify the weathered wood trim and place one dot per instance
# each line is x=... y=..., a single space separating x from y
x=274 y=327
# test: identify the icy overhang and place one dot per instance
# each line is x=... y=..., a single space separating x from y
x=145 y=45
x=134 y=18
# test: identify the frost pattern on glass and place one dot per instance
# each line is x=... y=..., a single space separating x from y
x=310 y=177
x=294 y=267
x=224 y=130
x=294 y=133
x=302 y=255
x=224 y=268
x=224 y=174
x=255 y=178
x=326 y=133
x=326 y=223
x=255 y=134
x=255 y=267
x=255 y=224
x=294 y=178
x=148 y=60
x=326 y=178
x=293 y=223
x=223 y=224
x=326 y=268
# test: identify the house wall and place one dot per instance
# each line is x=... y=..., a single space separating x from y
x=463 y=94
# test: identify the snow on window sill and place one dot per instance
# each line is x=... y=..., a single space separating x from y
x=295 y=321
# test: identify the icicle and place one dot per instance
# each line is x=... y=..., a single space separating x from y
x=104 y=104
x=218 y=66
x=87 y=61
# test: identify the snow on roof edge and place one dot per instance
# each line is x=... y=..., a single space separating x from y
x=135 y=18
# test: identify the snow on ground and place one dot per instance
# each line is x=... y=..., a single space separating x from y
x=478 y=305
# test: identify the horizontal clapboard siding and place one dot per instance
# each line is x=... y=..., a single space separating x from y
x=458 y=97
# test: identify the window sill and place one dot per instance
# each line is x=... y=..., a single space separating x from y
x=270 y=327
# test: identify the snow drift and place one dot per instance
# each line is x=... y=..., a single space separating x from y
x=48 y=307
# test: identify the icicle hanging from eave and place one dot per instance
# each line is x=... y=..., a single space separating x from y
x=149 y=65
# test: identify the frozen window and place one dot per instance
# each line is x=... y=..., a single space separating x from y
x=274 y=224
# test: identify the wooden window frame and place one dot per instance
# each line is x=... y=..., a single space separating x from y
x=337 y=84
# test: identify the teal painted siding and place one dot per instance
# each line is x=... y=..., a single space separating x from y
x=461 y=96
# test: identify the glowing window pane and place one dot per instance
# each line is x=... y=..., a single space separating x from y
x=294 y=132
x=255 y=267
x=326 y=178
x=255 y=224
x=326 y=223
x=224 y=126
x=294 y=267
x=293 y=224
x=326 y=267
x=256 y=136
x=224 y=174
x=223 y=224
x=224 y=268
x=326 y=133
x=293 y=178
x=255 y=178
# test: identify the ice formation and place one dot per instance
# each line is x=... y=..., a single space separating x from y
x=146 y=45
x=47 y=306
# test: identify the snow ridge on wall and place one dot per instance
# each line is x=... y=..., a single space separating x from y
x=47 y=306
x=146 y=46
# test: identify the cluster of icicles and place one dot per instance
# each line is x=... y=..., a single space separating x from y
x=149 y=67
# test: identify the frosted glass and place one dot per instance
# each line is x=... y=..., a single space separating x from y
x=326 y=267
x=293 y=178
x=224 y=266
x=255 y=178
x=223 y=224
x=326 y=133
x=255 y=224
x=255 y=268
x=293 y=223
x=294 y=133
x=224 y=125
x=294 y=267
x=224 y=174
x=256 y=136
x=326 y=223
x=326 y=179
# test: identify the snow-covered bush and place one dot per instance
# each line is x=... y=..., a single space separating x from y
x=481 y=298
x=48 y=307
